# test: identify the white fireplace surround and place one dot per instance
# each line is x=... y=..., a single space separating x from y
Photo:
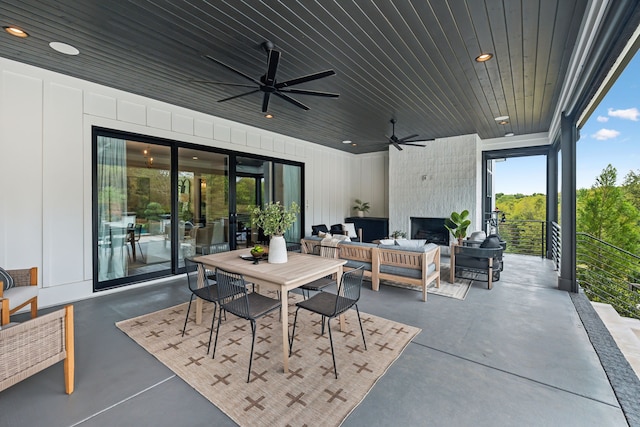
x=432 y=182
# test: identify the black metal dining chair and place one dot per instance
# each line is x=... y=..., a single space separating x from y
x=322 y=283
x=330 y=305
x=235 y=299
x=208 y=292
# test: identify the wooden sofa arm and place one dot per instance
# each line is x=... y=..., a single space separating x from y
x=29 y=347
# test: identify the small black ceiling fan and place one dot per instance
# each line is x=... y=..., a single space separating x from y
x=268 y=83
x=407 y=140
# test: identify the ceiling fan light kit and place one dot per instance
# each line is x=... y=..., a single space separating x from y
x=268 y=85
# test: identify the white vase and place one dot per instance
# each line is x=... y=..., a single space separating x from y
x=277 y=250
x=360 y=214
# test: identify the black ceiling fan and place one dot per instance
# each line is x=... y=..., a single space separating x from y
x=268 y=83
x=407 y=140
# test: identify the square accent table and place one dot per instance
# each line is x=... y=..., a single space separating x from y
x=297 y=271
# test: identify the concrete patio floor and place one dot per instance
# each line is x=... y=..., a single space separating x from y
x=516 y=355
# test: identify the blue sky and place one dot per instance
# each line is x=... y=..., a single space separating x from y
x=610 y=136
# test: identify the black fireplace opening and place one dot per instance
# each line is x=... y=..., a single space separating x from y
x=430 y=229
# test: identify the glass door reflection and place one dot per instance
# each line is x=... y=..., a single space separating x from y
x=203 y=202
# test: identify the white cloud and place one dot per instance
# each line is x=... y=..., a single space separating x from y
x=628 y=114
x=604 y=134
x=602 y=119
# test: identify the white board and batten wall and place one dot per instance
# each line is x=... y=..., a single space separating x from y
x=45 y=168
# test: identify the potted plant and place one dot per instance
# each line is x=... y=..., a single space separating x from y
x=361 y=207
x=275 y=219
x=398 y=234
x=457 y=224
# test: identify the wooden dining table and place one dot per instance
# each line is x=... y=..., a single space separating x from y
x=300 y=269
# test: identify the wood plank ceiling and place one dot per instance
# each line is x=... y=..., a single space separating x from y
x=408 y=60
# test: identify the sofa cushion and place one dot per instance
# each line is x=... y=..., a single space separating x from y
x=6 y=278
x=356 y=264
x=406 y=272
x=404 y=248
x=316 y=238
x=413 y=243
x=366 y=245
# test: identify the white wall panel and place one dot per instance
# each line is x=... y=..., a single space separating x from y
x=253 y=140
x=278 y=145
x=160 y=119
x=21 y=211
x=100 y=105
x=132 y=112
x=182 y=124
x=203 y=128
x=267 y=143
x=221 y=132
x=63 y=203
x=238 y=136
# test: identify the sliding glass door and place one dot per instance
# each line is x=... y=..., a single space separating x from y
x=157 y=202
x=133 y=210
x=202 y=201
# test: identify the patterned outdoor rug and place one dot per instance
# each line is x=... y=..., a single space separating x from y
x=308 y=395
x=457 y=290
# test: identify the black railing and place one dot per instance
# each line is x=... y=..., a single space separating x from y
x=556 y=245
x=608 y=274
x=525 y=237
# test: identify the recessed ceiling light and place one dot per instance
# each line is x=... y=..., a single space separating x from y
x=509 y=134
x=195 y=157
x=67 y=49
x=501 y=118
x=269 y=116
x=353 y=144
x=484 y=57
x=346 y=141
x=503 y=122
x=15 y=31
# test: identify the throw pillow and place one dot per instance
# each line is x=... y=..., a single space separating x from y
x=350 y=228
x=323 y=234
x=6 y=279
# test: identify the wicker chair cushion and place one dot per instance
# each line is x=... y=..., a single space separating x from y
x=20 y=294
x=6 y=278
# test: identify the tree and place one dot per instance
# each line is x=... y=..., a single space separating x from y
x=632 y=188
x=604 y=213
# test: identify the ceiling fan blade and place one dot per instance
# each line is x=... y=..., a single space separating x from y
x=272 y=67
x=305 y=79
x=230 y=68
x=311 y=92
x=291 y=100
x=219 y=83
x=407 y=138
x=395 y=144
x=265 y=101
x=238 y=96
x=415 y=145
